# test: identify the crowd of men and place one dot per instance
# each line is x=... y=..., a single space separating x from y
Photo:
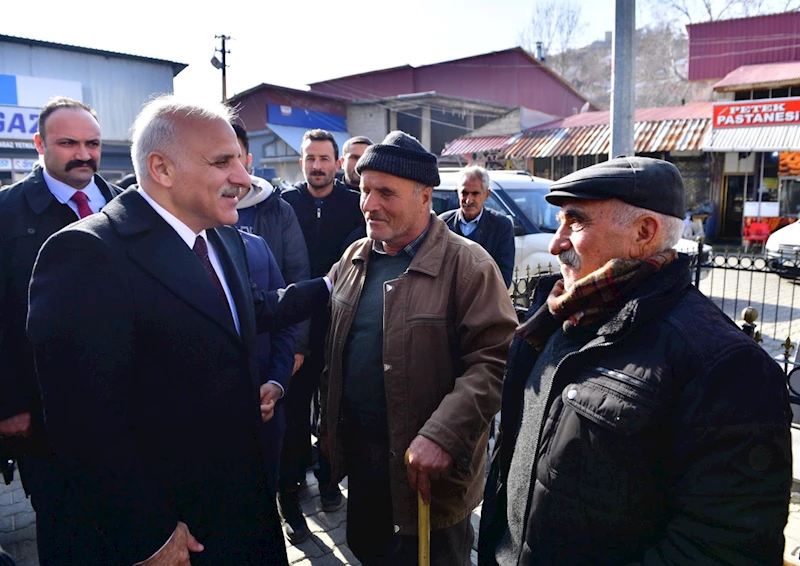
x=162 y=348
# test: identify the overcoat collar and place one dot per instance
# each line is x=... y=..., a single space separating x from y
x=157 y=248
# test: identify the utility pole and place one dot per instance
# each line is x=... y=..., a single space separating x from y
x=622 y=96
x=222 y=65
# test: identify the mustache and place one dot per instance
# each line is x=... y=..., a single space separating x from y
x=78 y=163
x=317 y=172
x=570 y=258
x=230 y=191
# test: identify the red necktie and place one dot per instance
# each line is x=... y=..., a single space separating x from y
x=82 y=201
x=201 y=250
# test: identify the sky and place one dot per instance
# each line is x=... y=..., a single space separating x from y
x=286 y=42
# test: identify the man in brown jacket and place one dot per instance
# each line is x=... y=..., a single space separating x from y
x=420 y=329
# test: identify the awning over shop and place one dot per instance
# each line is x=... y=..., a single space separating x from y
x=754 y=138
x=649 y=137
x=293 y=136
x=468 y=146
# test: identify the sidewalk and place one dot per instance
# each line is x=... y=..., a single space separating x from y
x=326 y=547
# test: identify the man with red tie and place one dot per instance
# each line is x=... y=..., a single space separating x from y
x=62 y=188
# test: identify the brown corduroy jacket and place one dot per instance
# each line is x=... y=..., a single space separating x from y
x=448 y=324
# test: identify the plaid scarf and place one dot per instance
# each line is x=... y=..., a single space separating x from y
x=593 y=299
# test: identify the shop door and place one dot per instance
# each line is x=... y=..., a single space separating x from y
x=733 y=206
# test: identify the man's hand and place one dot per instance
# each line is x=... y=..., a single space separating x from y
x=298 y=362
x=176 y=551
x=426 y=460
x=18 y=425
x=270 y=393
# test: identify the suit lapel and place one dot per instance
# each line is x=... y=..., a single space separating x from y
x=159 y=250
x=37 y=194
x=228 y=245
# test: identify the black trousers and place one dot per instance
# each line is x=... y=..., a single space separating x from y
x=370 y=525
x=296 y=448
x=239 y=526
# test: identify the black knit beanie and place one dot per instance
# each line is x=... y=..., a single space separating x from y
x=403 y=156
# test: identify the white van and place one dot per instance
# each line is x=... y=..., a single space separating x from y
x=520 y=196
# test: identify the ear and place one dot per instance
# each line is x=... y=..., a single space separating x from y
x=160 y=169
x=427 y=195
x=249 y=162
x=488 y=192
x=38 y=141
x=339 y=163
x=647 y=228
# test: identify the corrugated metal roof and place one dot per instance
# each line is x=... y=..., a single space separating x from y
x=717 y=48
x=649 y=136
x=465 y=145
x=754 y=75
x=176 y=67
x=689 y=111
x=761 y=138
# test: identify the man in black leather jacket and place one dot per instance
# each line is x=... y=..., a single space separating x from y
x=639 y=424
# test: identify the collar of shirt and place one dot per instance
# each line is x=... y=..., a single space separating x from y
x=189 y=237
x=186 y=233
x=411 y=249
x=474 y=221
x=63 y=192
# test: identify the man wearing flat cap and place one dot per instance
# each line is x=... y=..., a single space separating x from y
x=420 y=329
x=639 y=424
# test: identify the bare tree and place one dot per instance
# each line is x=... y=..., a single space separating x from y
x=696 y=11
x=556 y=23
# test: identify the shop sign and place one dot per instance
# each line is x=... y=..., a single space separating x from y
x=24 y=164
x=10 y=144
x=5 y=164
x=17 y=122
x=767 y=112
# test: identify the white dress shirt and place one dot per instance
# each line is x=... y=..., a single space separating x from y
x=63 y=193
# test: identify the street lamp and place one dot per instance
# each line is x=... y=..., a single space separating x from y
x=221 y=64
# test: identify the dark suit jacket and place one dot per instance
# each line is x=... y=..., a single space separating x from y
x=29 y=214
x=150 y=400
x=274 y=350
x=495 y=233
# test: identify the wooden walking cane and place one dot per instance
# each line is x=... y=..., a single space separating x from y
x=423 y=528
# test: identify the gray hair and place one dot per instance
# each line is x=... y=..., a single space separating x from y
x=672 y=227
x=477 y=172
x=156 y=128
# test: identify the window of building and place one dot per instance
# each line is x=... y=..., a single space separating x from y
x=780 y=92
x=790 y=198
x=742 y=95
x=563 y=165
x=759 y=94
x=273 y=146
x=541 y=167
x=586 y=160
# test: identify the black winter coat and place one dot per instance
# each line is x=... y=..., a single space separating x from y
x=277 y=223
x=667 y=441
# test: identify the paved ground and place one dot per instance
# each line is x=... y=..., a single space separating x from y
x=778 y=303
x=326 y=547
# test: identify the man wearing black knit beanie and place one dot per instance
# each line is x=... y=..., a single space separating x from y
x=420 y=327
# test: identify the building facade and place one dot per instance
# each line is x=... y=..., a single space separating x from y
x=116 y=85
